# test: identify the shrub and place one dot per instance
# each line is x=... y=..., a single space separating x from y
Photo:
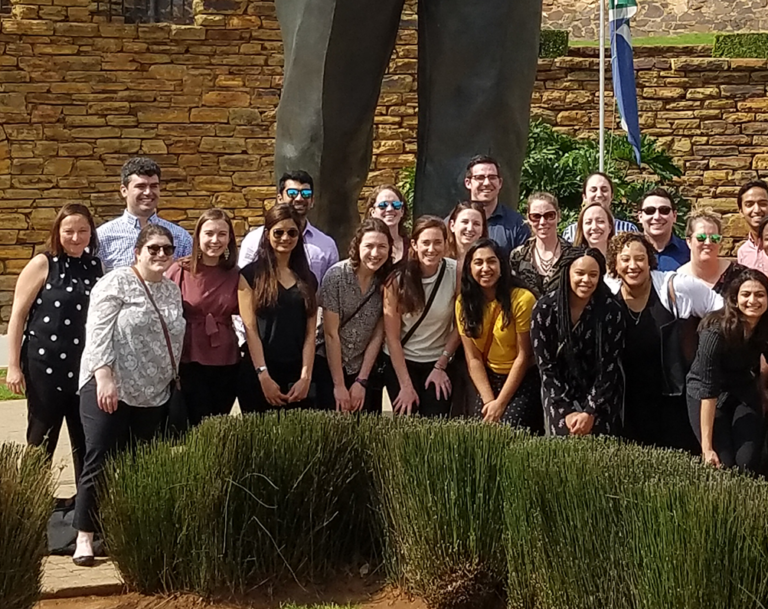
x=553 y=43
x=26 y=504
x=741 y=45
x=439 y=485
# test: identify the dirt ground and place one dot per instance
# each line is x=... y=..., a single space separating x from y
x=361 y=594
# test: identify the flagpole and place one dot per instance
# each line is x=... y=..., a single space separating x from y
x=601 y=43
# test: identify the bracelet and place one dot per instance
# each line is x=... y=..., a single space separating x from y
x=436 y=367
x=362 y=382
x=448 y=355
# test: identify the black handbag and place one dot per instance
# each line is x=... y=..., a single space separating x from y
x=177 y=421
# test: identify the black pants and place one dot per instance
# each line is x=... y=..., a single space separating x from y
x=476 y=72
x=46 y=410
x=249 y=393
x=738 y=434
x=429 y=404
x=106 y=434
x=208 y=390
x=524 y=409
x=321 y=375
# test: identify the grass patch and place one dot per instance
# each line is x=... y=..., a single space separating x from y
x=5 y=393
x=679 y=40
x=26 y=503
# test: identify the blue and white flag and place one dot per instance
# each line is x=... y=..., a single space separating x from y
x=623 y=69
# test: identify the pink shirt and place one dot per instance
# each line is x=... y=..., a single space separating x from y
x=210 y=299
x=752 y=256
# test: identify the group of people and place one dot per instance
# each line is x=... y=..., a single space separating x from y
x=479 y=314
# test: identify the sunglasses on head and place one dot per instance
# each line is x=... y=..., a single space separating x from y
x=651 y=210
x=396 y=205
x=702 y=237
x=154 y=249
x=292 y=193
x=548 y=216
x=278 y=233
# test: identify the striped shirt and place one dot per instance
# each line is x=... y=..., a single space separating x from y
x=117 y=239
x=620 y=226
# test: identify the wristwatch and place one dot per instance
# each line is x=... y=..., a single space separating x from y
x=260 y=369
x=362 y=382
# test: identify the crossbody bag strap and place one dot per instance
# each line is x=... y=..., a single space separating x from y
x=348 y=318
x=489 y=340
x=427 y=306
x=163 y=325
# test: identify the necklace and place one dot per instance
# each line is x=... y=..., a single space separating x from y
x=635 y=316
x=546 y=266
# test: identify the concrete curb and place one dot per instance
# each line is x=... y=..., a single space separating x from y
x=63 y=579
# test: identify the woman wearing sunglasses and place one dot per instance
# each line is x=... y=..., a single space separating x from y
x=277 y=303
x=703 y=232
x=135 y=321
x=536 y=263
x=578 y=339
x=387 y=203
x=661 y=312
x=418 y=323
x=724 y=394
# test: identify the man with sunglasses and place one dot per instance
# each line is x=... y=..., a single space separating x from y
x=140 y=188
x=505 y=226
x=752 y=201
x=658 y=215
x=296 y=188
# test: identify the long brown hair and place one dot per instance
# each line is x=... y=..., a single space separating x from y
x=408 y=273
x=370 y=202
x=580 y=239
x=730 y=320
x=371 y=225
x=53 y=245
x=265 y=282
x=226 y=261
x=452 y=250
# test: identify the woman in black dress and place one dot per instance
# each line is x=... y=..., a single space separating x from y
x=47 y=330
x=277 y=301
x=577 y=333
x=660 y=310
x=724 y=400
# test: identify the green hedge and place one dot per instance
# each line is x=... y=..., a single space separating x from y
x=460 y=513
x=741 y=45
x=26 y=504
x=553 y=43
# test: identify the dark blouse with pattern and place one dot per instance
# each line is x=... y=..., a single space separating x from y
x=521 y=264
x=592 y=382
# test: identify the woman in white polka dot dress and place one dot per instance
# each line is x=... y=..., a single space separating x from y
x=47 y=330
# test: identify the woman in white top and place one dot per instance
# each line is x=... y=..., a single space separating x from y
x=419 y=324
x=661 y=312
x=126 y=370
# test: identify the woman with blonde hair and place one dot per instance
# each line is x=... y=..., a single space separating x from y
x=595 y=227
x=387 y=203
x=703 y=233
x=208 y=282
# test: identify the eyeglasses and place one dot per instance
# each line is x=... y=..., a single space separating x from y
x=549 y=216
x=481 y=178
x=651 y=210
x=278 y=233
x=396 y=205
x=154 y=249
x=292 y=193
x=702 y=237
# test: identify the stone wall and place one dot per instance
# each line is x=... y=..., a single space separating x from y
x=711 y=114
x=661 y=17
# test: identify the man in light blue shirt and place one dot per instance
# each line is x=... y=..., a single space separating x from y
x=140 y=188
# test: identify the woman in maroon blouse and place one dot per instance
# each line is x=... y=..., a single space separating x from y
x=208 y=281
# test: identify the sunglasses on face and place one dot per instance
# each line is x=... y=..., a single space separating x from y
x=154 y=249
x=651 y=210
x=278 y=233
x=702 y=237
x=292 y=193
x=549 y=216
x=396 y=205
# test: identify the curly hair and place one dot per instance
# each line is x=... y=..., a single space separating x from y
x=460 y=207
x=139 y=166
x=580 y=238
x=472 y=298
x=370 y=202
x=730 y=320
x=371 y=225
x=622 y=240
x=705 y=214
